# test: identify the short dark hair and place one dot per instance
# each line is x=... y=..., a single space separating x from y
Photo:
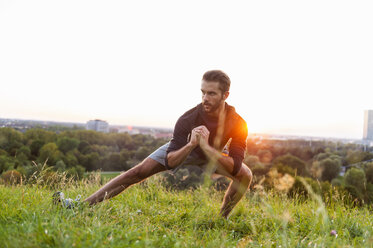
x=218 y=76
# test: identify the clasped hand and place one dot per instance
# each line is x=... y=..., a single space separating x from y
x=200 y=136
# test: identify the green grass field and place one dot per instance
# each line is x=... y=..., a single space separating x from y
x=106 y=176
x=149 y=215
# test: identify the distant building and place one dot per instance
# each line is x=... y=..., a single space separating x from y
x=98 y=125
x=368 y=125
x=129 y=130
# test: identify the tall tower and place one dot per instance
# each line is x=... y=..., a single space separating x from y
x=368 y=125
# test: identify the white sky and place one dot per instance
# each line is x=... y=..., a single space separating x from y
x=297 y=67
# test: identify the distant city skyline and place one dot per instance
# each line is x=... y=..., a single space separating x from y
x=297 y=68
x=131 y=125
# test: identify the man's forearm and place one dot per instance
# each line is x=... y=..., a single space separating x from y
x=215 y=155
x=175 y=158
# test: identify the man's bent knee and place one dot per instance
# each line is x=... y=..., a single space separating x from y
x=146 y=168
x=244 y=174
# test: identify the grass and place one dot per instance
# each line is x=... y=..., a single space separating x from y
x=105 y=175
x=149 y=215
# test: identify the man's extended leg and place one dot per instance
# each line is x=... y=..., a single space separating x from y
x=237 y=188
x=145 y=169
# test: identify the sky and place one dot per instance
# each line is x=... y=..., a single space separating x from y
x=297 y=67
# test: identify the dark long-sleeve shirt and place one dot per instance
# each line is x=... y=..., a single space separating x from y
x=234 y=128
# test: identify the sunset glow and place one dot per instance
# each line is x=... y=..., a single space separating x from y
x=291 y=72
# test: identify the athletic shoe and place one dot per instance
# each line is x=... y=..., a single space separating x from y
x=59 y=199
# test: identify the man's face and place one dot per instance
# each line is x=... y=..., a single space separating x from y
x=212 y=96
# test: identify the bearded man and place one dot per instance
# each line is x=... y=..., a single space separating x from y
x=199 y=136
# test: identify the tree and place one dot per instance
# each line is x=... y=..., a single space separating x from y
x=355 y=157
x=125 y=155
x=93 y=161
x=293 y=162
x=66 y=144
x=265 y=156
x=369 y=193
x=89 y=136
x=70 y=159
x=369 y=173
x=356 y=177
x=10 y=140
x=330 y=168
x=142 y=153
x=24 y=150
x=251 y=160
x=113 y=163
x=6 y=163
x=252 y=145
x=123 y=140
x=322 y=156
x=40 y=134
x=326 y=166
x=35 y=147
x=50 y=151
x=83 y=147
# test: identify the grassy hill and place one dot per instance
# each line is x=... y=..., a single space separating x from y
x=150 y=215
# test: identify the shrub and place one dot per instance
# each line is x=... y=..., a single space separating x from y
x=369 y=193
x=282 y=182
x=3 y=152
x=320 y=188
x=43 y=175
x=76 y=172
x=60 y=166
x=187 y=177
x=355 y=194
x=51 y=179
x=299 y=189
x=221 y=183
x=337 y=182
x=12 y=177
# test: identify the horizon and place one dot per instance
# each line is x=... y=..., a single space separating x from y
x=171 y=128
x=297 y=68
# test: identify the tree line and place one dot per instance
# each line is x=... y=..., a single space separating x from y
x=323 y=164
x=74 y=151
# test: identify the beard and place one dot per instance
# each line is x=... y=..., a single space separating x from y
x=210 y=108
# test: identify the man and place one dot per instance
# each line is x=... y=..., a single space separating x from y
x=199 y=137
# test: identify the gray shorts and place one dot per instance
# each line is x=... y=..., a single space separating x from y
x=159 y=155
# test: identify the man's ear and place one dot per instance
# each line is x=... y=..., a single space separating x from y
x=225 y=95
